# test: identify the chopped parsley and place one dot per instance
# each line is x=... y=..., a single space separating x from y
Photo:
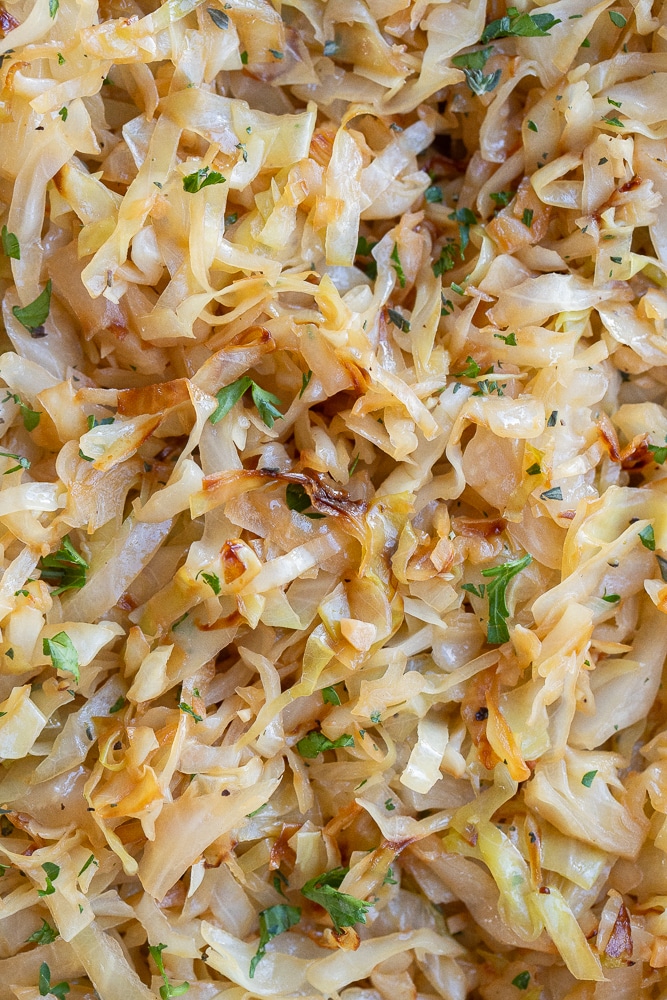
x=65 y=568
x=487 y=387
x=23 y=463
x=400 y=274
x=532 y=126
x=30 y=417
x=465 y=218
x=117 y=706
x=63 y=654
x=647 y=536
x=297 y=499
x=34 y=315
x=229 y=395
x=167 y=991
x=10 y=244
x=315 y=743
x=499 y=578
x=510 y=339
x=659 y=452
x=305 y=381
x=59 y=990
x=330 y=696
x=189 y=710
x=399 y=320
x=212 y=579
x=534 y=469
x=527 y=217
x=522 y=980
x=51 y=871
x=345 y=910
x=617 y=18
x=90 y=861
x=433 y=194
x=273 y=921
x=587 y=779
x=472 y=369
x=46 y=934
x=519 y=25
x=473 y=60
x=446 y=261
x=192 y=183
x=502 y=198
x=364 y=248
x=555 y=493
x=480 y=84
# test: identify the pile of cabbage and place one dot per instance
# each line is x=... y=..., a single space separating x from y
x=333 y=546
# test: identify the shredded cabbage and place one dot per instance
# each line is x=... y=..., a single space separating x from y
x=333 y=562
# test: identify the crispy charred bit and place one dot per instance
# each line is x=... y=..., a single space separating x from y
x=281 y=850
x=475 y=713
x=229 y=621
x=607 y=432
x=7 y=22
x=232 y=565
x=636 y=454
x=325 y=498
x=478 y=527
x=618 y=950
x=155 y=398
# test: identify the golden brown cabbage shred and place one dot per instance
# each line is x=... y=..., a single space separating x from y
x=334 y=531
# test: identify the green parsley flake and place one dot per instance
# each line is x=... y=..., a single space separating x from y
x=229 y=395
x=345 y=910
x=315 y=743
x=167 y=991
x=34 y=315
x=399 y=320
x=517 y=25
x=212 y=579
x=63 y=654
x=647 y=536
x=499 y=578
x=59 y=990
x=65 y=568
x=400 y=274
x=330 y=696
x=51 y=872
x=10 y=244
x=273 y=921
x=192 y=183
x=521 y=981
x=46 y=934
